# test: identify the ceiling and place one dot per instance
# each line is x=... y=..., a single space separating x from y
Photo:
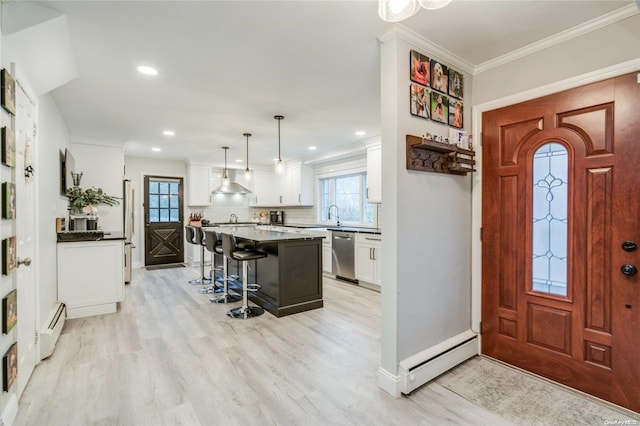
x=227 y=67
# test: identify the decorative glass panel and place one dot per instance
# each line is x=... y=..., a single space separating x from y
x=154 y=202
x=164 y=201
x=164 y=187
x=173 y=201
x=174 y=215
x=164 y=215
x=550 y=201
x=153 y=187
x=154 y=215
x=173 y=188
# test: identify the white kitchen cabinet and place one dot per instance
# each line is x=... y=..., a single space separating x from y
x=266 y=189
x=298 y=185
x=198 y=185
x=368 y=258
x=91 y=276
x=293 y=188
x=326 y=254
x=374 y=173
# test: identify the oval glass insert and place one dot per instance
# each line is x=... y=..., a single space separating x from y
x=549 y=236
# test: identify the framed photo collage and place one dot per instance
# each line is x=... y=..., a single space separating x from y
x=436 y=90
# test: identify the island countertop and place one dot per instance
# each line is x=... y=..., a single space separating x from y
x=262 y=235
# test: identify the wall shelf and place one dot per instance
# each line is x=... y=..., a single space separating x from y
x=430 y=156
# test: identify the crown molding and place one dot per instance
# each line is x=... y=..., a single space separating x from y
x=561 y=37
x=82 y=140
x=441 y=53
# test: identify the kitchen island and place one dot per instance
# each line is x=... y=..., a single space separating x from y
x=291 y=274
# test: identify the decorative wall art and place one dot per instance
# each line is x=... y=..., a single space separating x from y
x=456 y=83
x=9 y=311
x=455 y=113
x=439 y=107
x=8 y=200
x=439 y=77
x=459 y=138
x=8 y=147
x=10 y=367
x=419 y=101
x=420 y=68
x=8 y=255
x=8 y=93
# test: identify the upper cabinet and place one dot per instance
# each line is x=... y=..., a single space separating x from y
x=374 y=173
x=298 y=185
x=198 y=185
x=293 y=188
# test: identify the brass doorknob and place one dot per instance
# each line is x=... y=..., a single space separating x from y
x=25 y=262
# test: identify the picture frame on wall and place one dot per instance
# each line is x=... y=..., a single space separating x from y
x=439 y=77
x=8 y=255
x=439 y=107
x=9 y=311
x=8 y=91
x=8 y=147
x=8 y=200
x=420 y=68
x=456 y=83
x=420 y=98
x=456 y=109
x=10 y=367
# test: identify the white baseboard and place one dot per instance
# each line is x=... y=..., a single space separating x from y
x=135 y=265
x=10 y=411
x=389 y=383
x=88 y=311
x=426 y=365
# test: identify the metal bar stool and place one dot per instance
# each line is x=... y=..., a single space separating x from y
x=212 y=241
x=199 y=239
x=190 y=237
x=225 y=296
x=231 y=250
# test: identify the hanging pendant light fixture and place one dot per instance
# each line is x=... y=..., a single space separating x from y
x=279 y=164
x=225 y=176
x=247 y=171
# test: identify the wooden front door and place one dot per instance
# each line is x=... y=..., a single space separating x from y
x=561 y=215
x=164 y=235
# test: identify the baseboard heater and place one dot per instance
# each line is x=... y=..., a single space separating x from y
x=49 y=336
x=424 y=366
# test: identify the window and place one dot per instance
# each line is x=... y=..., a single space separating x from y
x=348 y=194
x=164 y=202
x=550 y=202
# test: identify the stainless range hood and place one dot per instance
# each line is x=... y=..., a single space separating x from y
x=233 y=187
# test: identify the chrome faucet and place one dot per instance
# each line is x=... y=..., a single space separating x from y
x=233 y=218
x=337 y=214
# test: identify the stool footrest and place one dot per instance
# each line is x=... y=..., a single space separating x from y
x=253 y=287
x=226 y=298
x=200 y=281
x=244 y=312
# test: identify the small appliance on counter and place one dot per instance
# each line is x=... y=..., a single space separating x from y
x=276 y=217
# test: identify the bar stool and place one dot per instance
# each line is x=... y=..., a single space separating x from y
x=190 y=237
x=231 y=250
x=225 y=296
x=199 y=239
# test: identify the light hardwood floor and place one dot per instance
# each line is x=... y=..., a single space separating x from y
x=169 y=357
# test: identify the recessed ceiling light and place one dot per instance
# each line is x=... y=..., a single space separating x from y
x=361 y=133
x=313 y=148
x=156 y=149
x=143 y=69
x=168 y=132
x=238 y=160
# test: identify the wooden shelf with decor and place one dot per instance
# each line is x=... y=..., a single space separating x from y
x=430 y=156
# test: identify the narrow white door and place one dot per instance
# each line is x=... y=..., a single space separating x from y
x=26 y=132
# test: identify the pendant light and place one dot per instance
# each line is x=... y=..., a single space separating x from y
x=225 y=177
x=397 y=10
x=279 y=165
x=247 y=171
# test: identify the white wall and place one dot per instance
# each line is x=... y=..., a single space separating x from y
x=51 y=204
x=135 y=169
x=613 y=44
x=102 y=166
x=426 y=270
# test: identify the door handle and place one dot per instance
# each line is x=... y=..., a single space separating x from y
x=629 y=270
x=25 y=262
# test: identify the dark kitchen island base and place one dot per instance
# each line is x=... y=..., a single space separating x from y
x=290 y=276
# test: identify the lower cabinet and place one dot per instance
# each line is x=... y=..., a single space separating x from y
x=369 y=258
x=90 y=276
x=326 y=254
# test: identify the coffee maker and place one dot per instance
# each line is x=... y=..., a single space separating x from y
x=276 y=217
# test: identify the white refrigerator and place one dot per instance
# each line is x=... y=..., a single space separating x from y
x=127 y=207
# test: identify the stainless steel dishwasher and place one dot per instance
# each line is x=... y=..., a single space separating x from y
x=342 y=256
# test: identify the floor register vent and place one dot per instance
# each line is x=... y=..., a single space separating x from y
x=49 y=336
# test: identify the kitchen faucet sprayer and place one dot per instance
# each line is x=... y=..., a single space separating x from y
x=337 y=214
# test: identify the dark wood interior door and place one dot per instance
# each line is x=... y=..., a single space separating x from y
x=561 y=214
x=164 y=231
